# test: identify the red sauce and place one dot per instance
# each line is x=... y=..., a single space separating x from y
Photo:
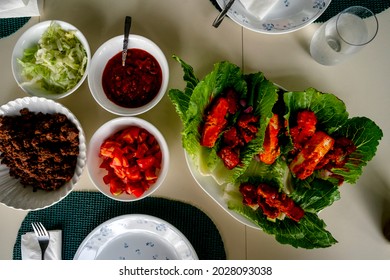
x=134 y=84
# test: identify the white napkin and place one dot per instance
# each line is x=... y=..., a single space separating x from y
x=31 y=250
x=18 y=8
x=258 y=8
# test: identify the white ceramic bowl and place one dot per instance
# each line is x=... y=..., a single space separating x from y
x=99 y=61
x=94 y=161
x=30 y=38
x=12 y=193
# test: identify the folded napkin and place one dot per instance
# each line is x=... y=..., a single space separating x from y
x=258 y=9
x=18 y=8
x=30 y=247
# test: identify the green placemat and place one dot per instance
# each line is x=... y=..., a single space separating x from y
x=80 y=212
x=9 y=26
x=337 y=6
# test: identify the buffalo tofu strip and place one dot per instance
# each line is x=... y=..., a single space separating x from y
x=305 y=162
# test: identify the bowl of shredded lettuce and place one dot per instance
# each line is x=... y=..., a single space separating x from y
x=51 y=59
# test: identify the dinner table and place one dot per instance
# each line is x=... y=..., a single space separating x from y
x=184 y=28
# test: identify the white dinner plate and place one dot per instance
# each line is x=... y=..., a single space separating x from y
x=219 y=193
x=135 y=237
x=286 y=16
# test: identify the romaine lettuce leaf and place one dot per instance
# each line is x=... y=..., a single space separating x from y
x=365 y=134
x=262 y=96
x=181 y=99
x=330 y=111
x=308 y=233
x=190 y=104
x=314 y=195
x=277 y=174
x=224 y=75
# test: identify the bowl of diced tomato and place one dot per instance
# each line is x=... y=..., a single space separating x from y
x=127 y=159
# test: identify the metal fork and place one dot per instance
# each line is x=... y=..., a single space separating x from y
x=42 y=236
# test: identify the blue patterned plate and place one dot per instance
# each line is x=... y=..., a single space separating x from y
x=286 y=16
x=135 y=237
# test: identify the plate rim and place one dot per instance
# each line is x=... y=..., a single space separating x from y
x=133 y=217
x=268 y=27
x=196 y=174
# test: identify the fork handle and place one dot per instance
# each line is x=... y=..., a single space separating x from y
x=43 y=250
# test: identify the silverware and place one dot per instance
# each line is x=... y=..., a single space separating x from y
x=126 y=39
x=222 y=14
x=42 y=236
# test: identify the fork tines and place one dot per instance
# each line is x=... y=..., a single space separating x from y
x=39 y=229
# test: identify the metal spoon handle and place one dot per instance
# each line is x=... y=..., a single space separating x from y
x=126 y=39
x=127 y=26
x=222 y=14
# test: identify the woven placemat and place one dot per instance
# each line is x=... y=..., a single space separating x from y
x=337 y=6
x=80 y=212
x=9 y=26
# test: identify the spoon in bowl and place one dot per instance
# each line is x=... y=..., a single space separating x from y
x=126 y=39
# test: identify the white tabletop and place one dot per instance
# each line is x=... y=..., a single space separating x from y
x=184 y=28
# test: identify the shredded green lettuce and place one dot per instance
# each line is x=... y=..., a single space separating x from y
x=57 y=63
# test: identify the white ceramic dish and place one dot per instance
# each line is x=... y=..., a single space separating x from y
x=286 y=16
x=217 y=192
x=135 y=237
x=109 y=49
x=94 y=161
x=30 y=38
x=12 y=193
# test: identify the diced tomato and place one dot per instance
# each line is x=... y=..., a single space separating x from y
x=143 y=136
x=142 y=149
x=153 y=149
x=134 y=188
x=133 y=173
x=150 y=174
x=105 y=165
x=107 y=178
x=130 y=134
x=116 y=162
x=108 y=148
x=146 y=163
x=158 y=157
x=151 y=140
x=132 y=158
x=129 y=149
x=120 y=172
x=116 y=186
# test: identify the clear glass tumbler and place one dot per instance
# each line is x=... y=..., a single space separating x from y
x=343 y=35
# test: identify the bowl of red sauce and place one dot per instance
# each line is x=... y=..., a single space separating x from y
x=133 y=88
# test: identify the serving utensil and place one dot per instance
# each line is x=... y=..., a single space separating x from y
x=42 y=236
x=222 y=14
x=126 y=39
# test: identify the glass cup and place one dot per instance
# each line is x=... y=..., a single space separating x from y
x=343 y=35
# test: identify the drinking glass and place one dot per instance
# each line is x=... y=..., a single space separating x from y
x=343 y=35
